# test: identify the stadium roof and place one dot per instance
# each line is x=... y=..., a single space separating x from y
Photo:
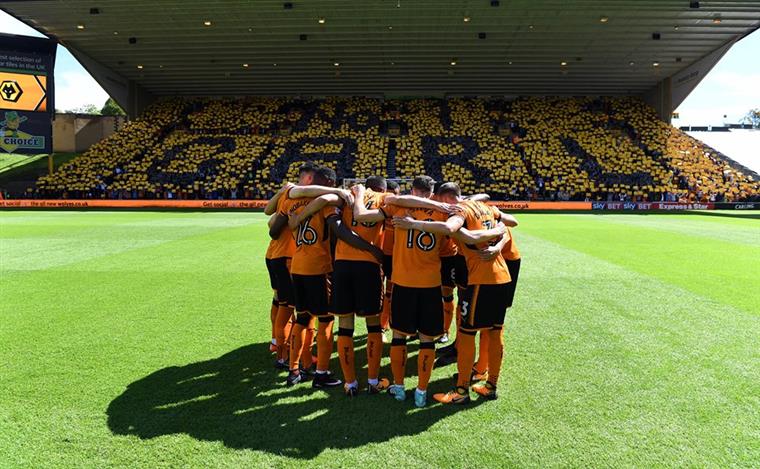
x=391 y=47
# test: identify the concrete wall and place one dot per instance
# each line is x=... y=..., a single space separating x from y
x=78 y=132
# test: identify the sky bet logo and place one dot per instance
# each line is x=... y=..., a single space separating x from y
x=10 y=91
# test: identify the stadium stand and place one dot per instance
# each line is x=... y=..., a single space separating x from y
x=526 y=149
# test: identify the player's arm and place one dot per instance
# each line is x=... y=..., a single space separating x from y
x=313 y=207
x=490 y=253
x=412 y=201
x=272 y=204
x=345 y=234
x=507 y=219
x=479 y=236
x=363 y=214
x=479 y=197
x=277 y=223
x=448 y=227
x=300 y=192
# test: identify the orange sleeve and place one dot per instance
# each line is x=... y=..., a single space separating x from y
x=390 y=210
x=282 y=205
x=440 y=216
x=329 y=211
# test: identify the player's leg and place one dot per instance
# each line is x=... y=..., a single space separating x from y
x=385 y=316
x=344 y=307
x=307 y=358
x=430 y=326
x=465 y=349
x=346 y=353
x=447 y=294
x=283 y=320
x=480 y=369
x=322 y=309
x=296 y=347
x=398 y=365
x=368 y=282
x=275 y=302
x=272 y=319
x=403 y=324
x=494 y=299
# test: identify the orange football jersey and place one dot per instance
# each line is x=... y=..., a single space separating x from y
x=416 y=260
x=510 y=252
x=284 y=245
x=480 y=216
x=370 y=232
x=312 y=239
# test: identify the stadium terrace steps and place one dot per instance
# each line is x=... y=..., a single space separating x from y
x=528 y=148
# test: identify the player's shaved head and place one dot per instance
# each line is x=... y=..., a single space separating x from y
x=449 y=192
x=422 y=186
x=325 y=177
x=393 y=187
x=306 y=172
x=449 y=188
x=377 y=183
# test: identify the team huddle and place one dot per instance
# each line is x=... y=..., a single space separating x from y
x=395 y=261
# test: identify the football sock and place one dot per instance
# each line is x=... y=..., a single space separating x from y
x=425 y=361
x=398 y=360
x=324 y=343
x=495 y=354
x=296 y=341
x=374 y=351
x=282 y=330
x=448 y=312
x=385 y=316
x=308 y=341
x=346 y=354
x=465 y=357
x=273 y=316
x=482 y=364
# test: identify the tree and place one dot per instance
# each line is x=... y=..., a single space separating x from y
x=86 y=109
x=112 y=108
x=753 y=117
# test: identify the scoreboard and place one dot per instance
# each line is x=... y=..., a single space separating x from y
x=26 y=94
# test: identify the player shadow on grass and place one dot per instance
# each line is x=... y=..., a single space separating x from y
x=241 y=401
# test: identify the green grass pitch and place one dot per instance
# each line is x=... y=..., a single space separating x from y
x=140 y=339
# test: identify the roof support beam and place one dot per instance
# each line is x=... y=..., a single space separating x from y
x=131 y=96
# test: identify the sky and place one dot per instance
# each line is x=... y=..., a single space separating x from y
x=731 y=88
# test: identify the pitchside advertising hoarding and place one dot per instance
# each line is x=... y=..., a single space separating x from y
x=26 y=94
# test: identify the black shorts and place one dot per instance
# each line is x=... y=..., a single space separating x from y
x=448 y=271
x=460 y=271
x=312 y=294
x=417 y=310
x=279 y=278
x=484 y=306
x=514 y=272
x=387 y=266
x=357 y=288
x=272 y=275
